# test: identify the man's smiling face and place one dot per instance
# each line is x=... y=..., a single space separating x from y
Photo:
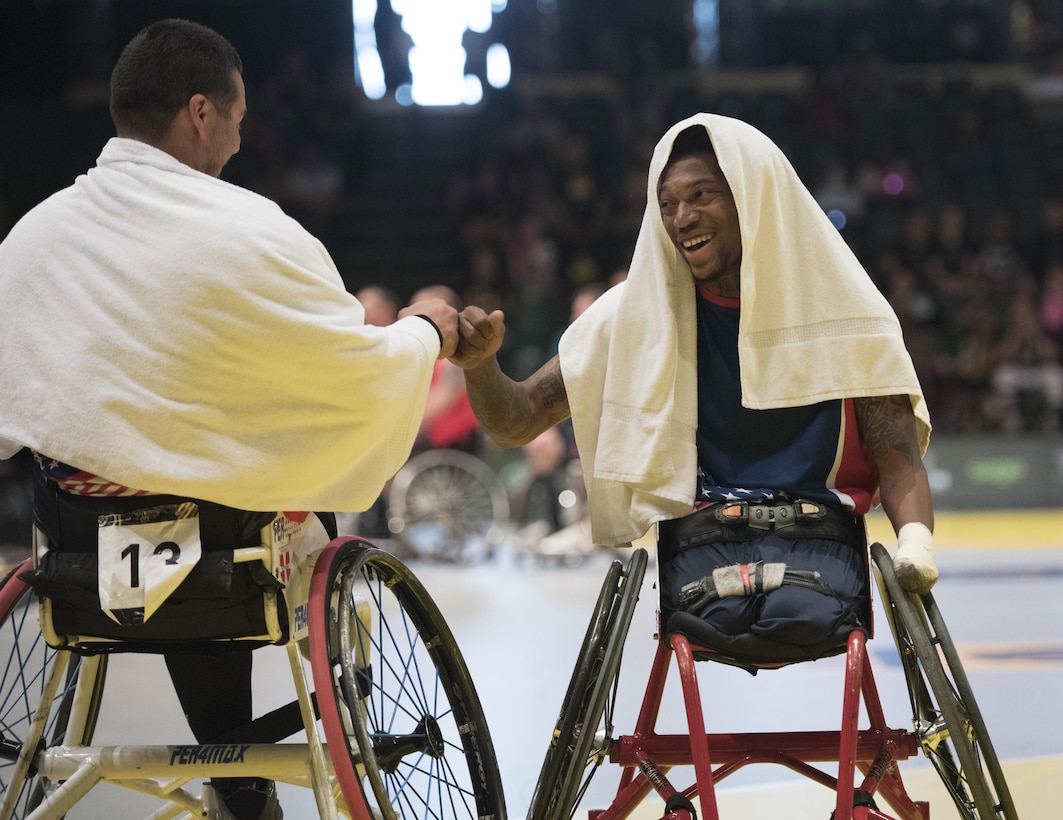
x=700 y=216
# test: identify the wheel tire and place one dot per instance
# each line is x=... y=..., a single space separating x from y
x=448 y=505
x=946 y=717
x=585 y=724
x=405 y=729
x=29 y=663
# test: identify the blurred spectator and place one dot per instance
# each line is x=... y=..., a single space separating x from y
x=582 y=299
x=965 y=408
x=1047 y=246
x=313 y=188
x=952 y=242
x=487 y=279
x=449 y=422
x=549 y=502
x=838 y=192
x=1028 y=378
x=381 y=304
x=1052 y=302
x=1004 y=263
x=536 y=500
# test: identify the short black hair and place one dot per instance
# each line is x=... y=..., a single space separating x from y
x=689 y=142
x=160 y=70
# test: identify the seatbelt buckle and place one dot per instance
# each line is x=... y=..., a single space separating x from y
x=762 y=517
x=808 y=510
x=735 y=512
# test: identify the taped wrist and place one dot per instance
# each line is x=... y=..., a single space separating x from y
x=915 y=536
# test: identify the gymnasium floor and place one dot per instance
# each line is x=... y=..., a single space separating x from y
x=520 y=624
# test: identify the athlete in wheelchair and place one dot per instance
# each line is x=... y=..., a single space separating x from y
x=185 y=362
x=747 y=389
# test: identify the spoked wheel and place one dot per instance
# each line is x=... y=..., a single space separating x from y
x=405 y=729
x=34 y=677
x=584 y=727
x=947 y=720
x=448 y=505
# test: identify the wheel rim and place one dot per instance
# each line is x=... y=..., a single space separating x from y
x=449 y=505
x=584 y=727
x=28 y=664
x=955 y=743
x=412 y=721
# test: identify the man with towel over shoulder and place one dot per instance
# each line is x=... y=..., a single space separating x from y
x=747 y=389
x=169 y=336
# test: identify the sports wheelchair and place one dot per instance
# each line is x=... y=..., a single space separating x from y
x=391 y=724
x=947 y=726
x=448 y=506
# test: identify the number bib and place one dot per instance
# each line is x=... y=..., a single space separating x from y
x=143 y=557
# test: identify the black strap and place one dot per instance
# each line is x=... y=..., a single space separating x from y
x=697 y=594
x=742 y=521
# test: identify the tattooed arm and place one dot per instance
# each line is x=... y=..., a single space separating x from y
x=513 y=413
x=887 y=425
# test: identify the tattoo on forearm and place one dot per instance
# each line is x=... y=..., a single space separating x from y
x=887 y=424
x=552 y=388
x=513 y=413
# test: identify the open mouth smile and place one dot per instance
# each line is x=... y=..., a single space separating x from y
x=696 y=242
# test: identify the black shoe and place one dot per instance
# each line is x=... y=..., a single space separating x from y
x=249 y=798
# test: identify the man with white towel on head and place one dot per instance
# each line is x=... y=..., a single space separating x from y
x=170 y=336
x=746 y=389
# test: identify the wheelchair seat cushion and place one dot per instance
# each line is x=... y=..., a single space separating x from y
x=749 y=651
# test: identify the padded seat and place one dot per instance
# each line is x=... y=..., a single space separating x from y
x=750 y=652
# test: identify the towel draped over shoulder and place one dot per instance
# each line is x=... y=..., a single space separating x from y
x=813 y=327
x=175 y=333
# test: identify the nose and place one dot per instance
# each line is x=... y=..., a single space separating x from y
x=685 y=214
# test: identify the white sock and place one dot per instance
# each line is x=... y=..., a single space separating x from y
x=914 y=562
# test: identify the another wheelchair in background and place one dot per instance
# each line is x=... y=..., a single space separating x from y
x=447 y=505
x=387 y=689
x=947 y=726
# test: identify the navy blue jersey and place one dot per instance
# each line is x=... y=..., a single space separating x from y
x=812 y=452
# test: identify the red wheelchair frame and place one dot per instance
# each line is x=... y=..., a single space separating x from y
x=947 y=726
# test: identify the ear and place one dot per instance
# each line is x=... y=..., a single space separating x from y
x=197 y=110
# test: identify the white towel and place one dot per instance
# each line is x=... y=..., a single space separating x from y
x=813 y=327
x=172 y=332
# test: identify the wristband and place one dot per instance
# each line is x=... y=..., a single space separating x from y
x=435 y=327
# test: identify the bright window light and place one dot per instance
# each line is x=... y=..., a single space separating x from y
x=437 y=58
x=498 y=66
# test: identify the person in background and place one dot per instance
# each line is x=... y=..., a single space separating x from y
x=747 y=389
x=381 y=305
x=448 y=421
x=200 y=349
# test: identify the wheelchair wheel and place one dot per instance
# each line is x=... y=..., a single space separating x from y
x=584 y=727
x=946 y=717
x=448 y=505
x=405 y=729
x=29 y=665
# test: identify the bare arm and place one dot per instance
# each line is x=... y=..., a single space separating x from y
x=887 y=424
x=513 y=413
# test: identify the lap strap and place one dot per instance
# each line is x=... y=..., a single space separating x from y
x=745 y=521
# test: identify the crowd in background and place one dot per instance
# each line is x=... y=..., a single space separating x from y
x=938 y=177
x=938 y=181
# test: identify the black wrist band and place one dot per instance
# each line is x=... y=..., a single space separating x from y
x=435 y=327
